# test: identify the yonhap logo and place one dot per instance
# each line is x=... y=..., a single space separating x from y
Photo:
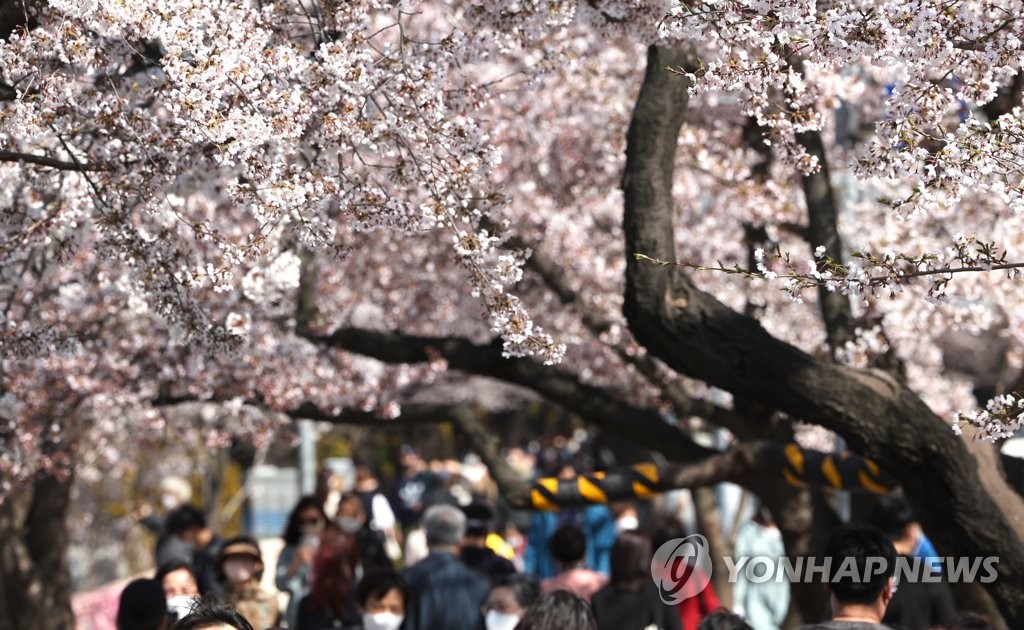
x=681 y=568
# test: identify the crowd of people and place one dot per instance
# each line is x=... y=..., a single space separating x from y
x=342 y=566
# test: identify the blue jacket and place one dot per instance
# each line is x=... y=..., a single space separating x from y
x=597 y=524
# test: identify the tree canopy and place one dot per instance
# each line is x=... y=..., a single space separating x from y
x=313 y=207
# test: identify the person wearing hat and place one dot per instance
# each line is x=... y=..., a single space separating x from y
x=475 y=553
x=241 y=567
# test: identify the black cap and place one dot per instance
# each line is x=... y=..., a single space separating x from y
x=478 y=517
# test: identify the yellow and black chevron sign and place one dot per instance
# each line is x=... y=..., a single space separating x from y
x=838 y=471
x=641 y=481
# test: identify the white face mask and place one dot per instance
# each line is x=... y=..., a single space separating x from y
x=382 y=621
x=169 y=501
x=628 y=522
x=238 y=571
x=495 y=620
x=180 y=605
x=349 y=525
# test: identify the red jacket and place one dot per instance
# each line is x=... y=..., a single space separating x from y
x=696 y=606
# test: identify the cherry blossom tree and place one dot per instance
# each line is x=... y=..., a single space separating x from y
x=313 y=207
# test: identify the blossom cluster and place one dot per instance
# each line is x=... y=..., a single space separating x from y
x=1002 y=418
x=172 y=166
x=361 y=116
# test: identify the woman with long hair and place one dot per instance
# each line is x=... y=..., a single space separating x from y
x=631 y=601
x=301 y=536
x=331 y=598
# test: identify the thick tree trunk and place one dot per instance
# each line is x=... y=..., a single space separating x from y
x=35 y=581
x=46 y=536
x=697 y=335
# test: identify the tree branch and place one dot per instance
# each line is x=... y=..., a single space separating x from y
x=699 y=336
x=823 y=230
x=595 y=405
x=42 y=160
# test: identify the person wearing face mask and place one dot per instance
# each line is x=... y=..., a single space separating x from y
x=190 y=540
x=174 y=493
x=241 y=566
x=381 y=598
x=508 y=600
x=335 y=571
x=180 y=588
x=351 y=520
x=301 y=538
x=627 y=518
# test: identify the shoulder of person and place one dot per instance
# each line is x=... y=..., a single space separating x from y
x=602 y=594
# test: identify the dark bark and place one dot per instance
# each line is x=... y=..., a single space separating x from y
x=823 y=230
x=49 y=162
x=698 y=336
x=47 y=540
x=18 y=582
x=16 y=14
x=599 y=407
x=35 y=581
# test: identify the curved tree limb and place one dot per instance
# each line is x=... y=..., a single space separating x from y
x=597 y=406
x=697 y=335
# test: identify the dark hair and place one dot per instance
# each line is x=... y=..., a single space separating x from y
x=170 y=567
x=142 y=606
x=185 y=518
x=892 y=514
x=479 y=517
x=568 y=544
x=859 y=544
x=631 y=561
x=558 y=610
x=377 y=584
x=293 y=532
x=354 y=499
x=968 y=620
x=525 y=587
x=208 y=614
x=334 y=570
x=722 y=619
x=665 y=527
